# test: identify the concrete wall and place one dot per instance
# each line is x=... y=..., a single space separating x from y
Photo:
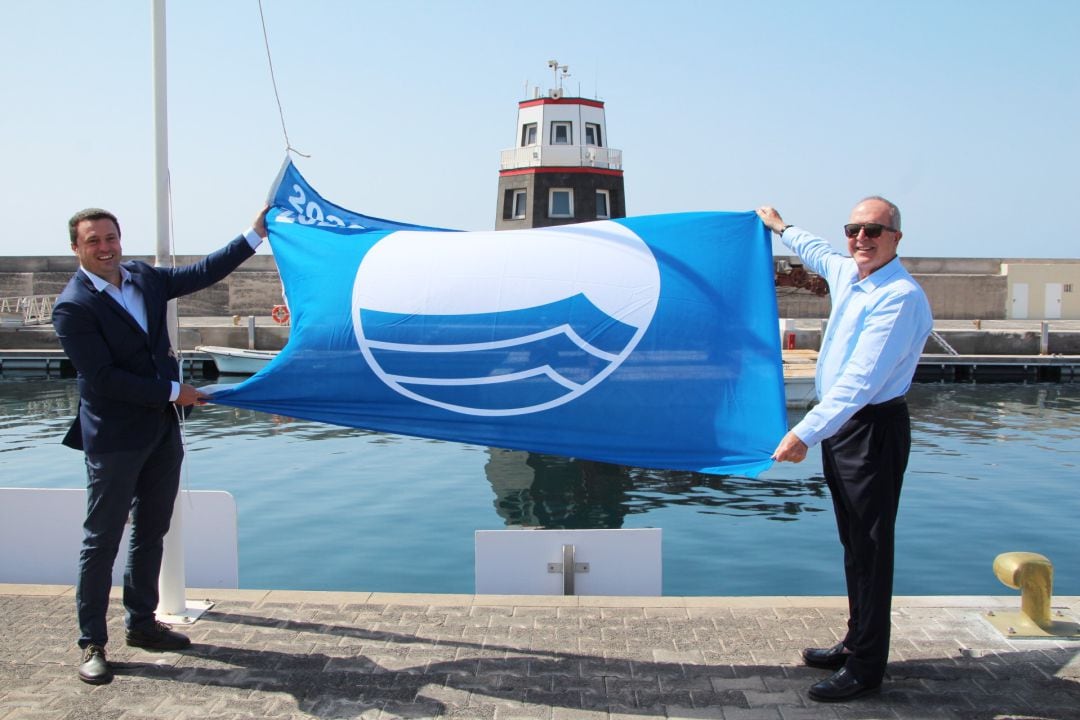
x=965 y=297
x=969 y=288
x=253 y=289
x=952 y=297
x=958 y=288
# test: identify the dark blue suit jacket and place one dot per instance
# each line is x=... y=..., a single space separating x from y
x=124 y=374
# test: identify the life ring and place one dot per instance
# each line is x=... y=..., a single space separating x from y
x=280 y=314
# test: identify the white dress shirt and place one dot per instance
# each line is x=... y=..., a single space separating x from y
x=875 y=335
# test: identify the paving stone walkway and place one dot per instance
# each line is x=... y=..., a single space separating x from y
x=285 y=654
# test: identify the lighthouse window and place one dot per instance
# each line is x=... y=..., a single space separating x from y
x=561 y=203
x=602 y=205
x=519 y=204
x=592 y=135
x=528 y=134
x=561 y=134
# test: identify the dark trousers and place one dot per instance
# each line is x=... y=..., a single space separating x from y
x=864 y=466
x=143 y=482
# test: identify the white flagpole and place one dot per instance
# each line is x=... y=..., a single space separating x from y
x=171 y=580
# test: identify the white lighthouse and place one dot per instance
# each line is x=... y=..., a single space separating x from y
x=561 y=169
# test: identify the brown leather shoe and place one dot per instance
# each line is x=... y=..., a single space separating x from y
x=95 y=668
x=158 y=636
x=826 y=658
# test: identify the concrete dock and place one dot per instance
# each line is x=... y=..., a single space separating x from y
x=288 y=654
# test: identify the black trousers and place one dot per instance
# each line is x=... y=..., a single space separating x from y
x=864 y=466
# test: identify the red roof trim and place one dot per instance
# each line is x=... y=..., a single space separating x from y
x=568 y=170
x=560 y=101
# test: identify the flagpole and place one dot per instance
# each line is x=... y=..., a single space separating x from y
x=172 y=604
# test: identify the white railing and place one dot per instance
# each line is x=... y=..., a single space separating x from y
x=31 y=309
x=942 y=342
x=560 y=156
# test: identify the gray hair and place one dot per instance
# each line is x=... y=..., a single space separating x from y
x=894 y=212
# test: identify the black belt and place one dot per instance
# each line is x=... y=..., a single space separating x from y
x=869 y=411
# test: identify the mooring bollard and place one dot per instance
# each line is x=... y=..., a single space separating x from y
x=1033 y=575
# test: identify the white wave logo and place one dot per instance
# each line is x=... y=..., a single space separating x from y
x=503 y=323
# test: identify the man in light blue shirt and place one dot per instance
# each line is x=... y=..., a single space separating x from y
x=879 y=322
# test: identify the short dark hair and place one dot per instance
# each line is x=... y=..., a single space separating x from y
x=894 y=212
x=90 y=214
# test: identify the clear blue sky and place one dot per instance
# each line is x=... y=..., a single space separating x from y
x=964 y=113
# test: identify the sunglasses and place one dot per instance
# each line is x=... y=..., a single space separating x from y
x=872 y=230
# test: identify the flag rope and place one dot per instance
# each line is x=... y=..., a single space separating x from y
x=273 y=81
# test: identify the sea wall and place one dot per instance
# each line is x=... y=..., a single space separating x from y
x=253 y=289
x=958 y=288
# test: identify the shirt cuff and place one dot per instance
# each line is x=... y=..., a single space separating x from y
x=253 y=238
x=175 y=392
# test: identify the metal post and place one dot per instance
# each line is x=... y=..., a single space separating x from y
x=568 y=569
x=1044 y=338
x=172 y=603
x=251 y=332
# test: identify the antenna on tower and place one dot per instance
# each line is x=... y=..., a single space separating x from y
x=561 y=73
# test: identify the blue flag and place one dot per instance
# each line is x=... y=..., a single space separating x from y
x=647 y=341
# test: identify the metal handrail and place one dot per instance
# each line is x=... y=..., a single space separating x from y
x=34 y=309
x=560 y=155
x=944 y=345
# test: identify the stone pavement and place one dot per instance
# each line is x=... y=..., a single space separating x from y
x=286 y=654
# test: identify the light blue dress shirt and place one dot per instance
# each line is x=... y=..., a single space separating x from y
x=875 y=335
x=131 y=299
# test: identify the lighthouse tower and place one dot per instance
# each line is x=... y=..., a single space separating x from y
x=561 y=170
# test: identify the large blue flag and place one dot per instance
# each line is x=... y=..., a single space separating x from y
x=647 y=341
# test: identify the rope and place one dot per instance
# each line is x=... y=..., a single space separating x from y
x=273 y=81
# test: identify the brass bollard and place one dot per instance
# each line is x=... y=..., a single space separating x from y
x=1033 y=575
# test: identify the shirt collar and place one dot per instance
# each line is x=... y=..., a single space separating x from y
x=100 y=284
x=882 y=275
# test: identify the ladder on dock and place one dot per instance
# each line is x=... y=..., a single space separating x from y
x=943 y=343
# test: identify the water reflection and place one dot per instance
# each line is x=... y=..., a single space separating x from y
x=985 y=410
x=34 y=411
x=1045 y=416
x=535 y=490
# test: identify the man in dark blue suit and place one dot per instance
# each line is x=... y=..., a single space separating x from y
x=111 y=321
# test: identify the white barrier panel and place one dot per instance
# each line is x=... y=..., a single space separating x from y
x=534 y=562
x=41 y=533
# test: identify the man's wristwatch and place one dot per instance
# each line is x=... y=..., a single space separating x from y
x=784 y=228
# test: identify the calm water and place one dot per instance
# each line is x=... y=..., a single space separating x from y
x=994 y=468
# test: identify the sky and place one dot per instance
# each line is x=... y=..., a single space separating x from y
x=964 y=113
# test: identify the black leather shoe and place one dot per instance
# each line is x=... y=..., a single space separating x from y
x=158 y=636
x=95 y=668
x=840 y=686
x=826 y=658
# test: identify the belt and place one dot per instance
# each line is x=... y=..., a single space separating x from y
x=870 y=411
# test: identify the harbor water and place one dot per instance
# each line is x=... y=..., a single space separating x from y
x=994 y=468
